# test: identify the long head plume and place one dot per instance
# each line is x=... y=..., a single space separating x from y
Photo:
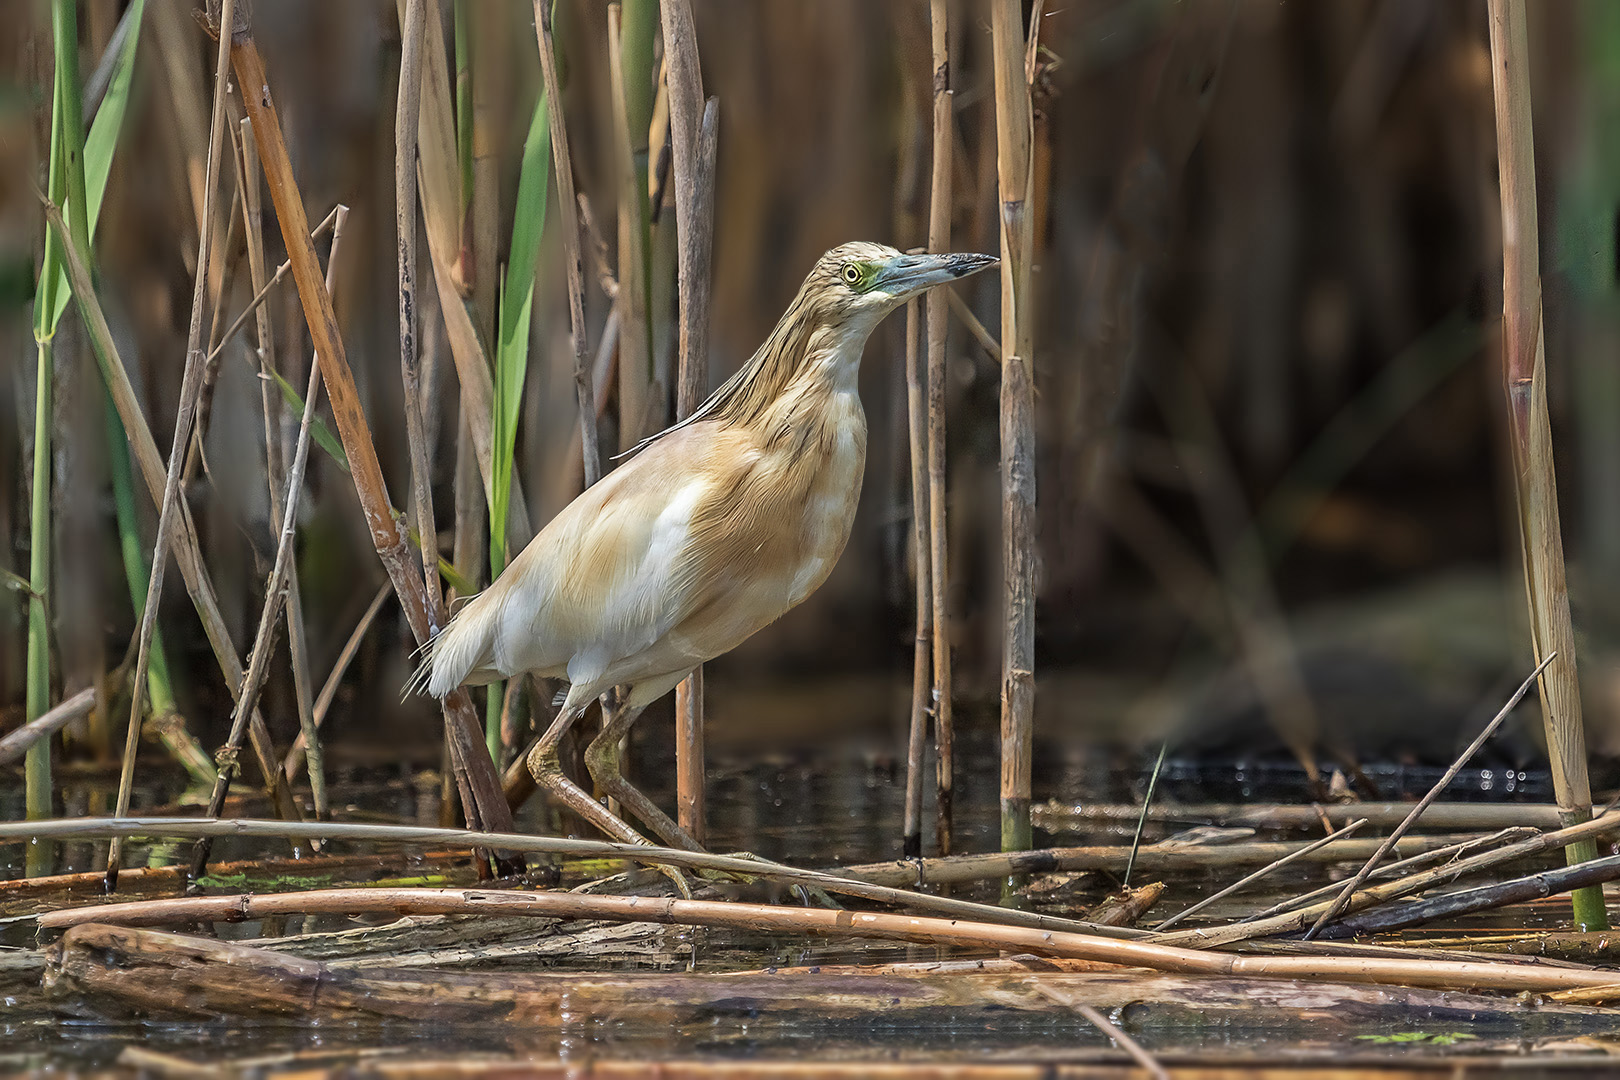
x=855 y=283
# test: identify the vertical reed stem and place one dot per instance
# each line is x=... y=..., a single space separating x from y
x=939 y=240
x=275 y=589
x=916 y=743
x=276 y=465
x=1017 y=423
x=190 y=381
x=693 y=128
x=1535 y=482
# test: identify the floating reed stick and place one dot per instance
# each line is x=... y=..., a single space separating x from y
x=1524 y=372
x=1446 y=974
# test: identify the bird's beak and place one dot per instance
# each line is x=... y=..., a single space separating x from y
x=906 y=275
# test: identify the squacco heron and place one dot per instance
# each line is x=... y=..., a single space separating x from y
x=714 y=529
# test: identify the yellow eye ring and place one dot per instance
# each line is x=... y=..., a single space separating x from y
x=852 y=274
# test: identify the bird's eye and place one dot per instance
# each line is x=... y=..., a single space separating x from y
x=852 y=274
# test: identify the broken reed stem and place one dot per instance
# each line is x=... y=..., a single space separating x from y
x=1444 y=974
x=939 y=241
x=190 y=381
x=1017 y=422
x=475 y=774
x=1524 y=372
x=568 y=211
x=295 y=756
x=650 y=855
x=693 y=130
x=1423 y=804
x=275 y=589
x=1263 y=872
x=187 y=552
x=921 y=668
x=275 y=463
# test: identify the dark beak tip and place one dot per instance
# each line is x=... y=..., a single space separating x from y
x=972 y=263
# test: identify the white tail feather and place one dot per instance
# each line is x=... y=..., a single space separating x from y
x=453 y=655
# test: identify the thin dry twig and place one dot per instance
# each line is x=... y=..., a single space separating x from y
x=263 y=291
x=190 y=383
x=1423 y=804
x=1101 y=1022
x=1264 y=871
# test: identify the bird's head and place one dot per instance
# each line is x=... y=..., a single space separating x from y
x=862 y=282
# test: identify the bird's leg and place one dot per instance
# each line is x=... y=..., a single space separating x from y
x=602 y=759
x=546 y=768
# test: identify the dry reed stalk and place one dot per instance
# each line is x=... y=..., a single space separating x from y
x=295 y=756
x=748 y=868
x=693 y=130
x=1017 y=422
x=921 y=668
x=1423 y=804
x=635 y=357
x=1444 y=974
x=190 y=381
x=275 y=590
x=939 y=240
x=1524 y=376
x=232 y=251
x=1264 y=872
x=17 y=742
x=187 y=552
x=475 y=774
x=275 y=463
x=568 y=212
x=407 y=115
